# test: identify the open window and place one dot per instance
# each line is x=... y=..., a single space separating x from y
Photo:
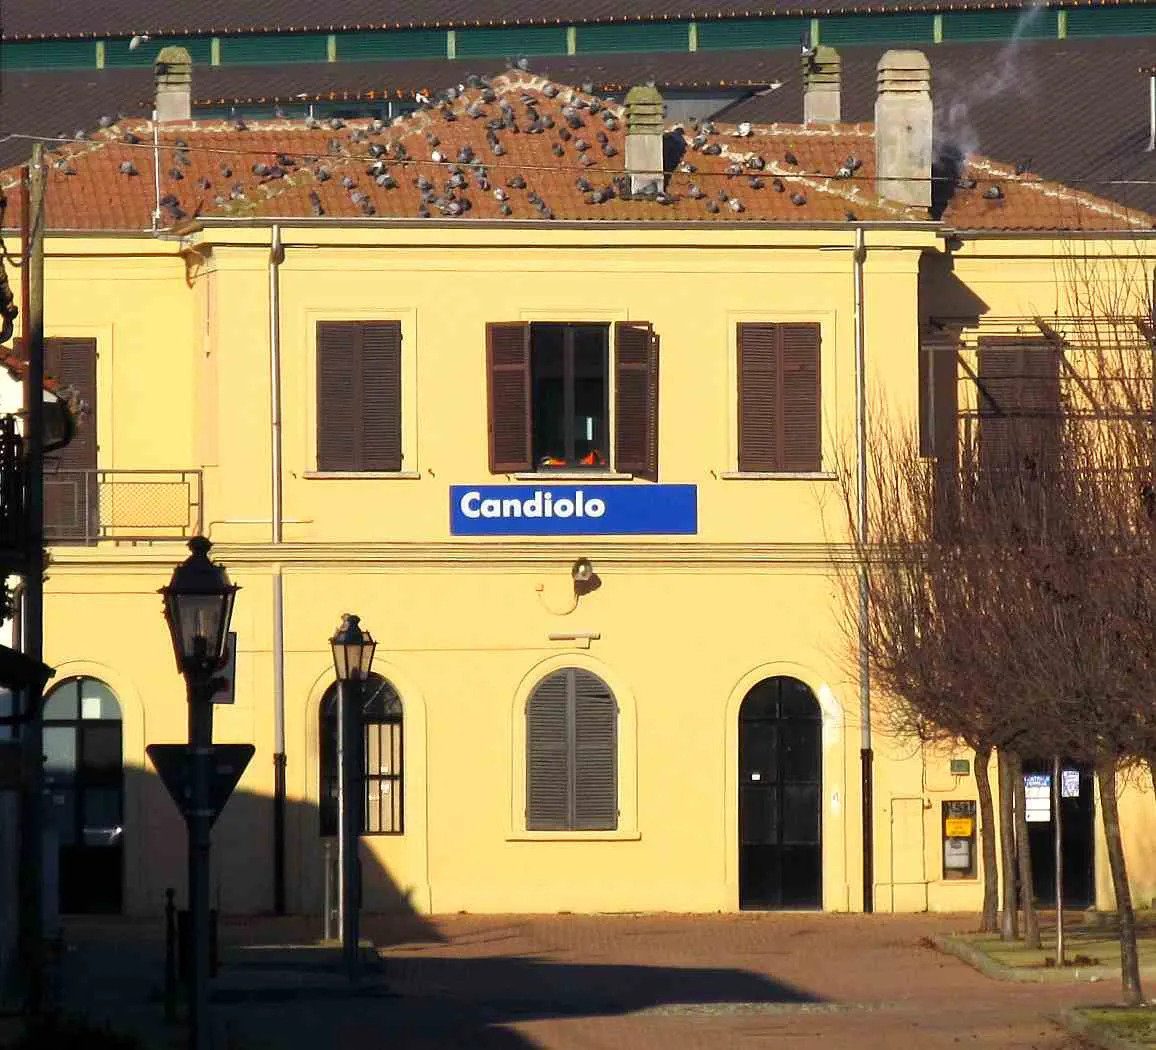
x=550 y=387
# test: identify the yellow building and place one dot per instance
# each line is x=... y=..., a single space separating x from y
x=419 y=373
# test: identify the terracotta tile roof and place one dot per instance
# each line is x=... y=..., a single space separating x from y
x=1088 y=88
x=35 y=18
x=1075 y=110
x=994 y=196
x=463 y=159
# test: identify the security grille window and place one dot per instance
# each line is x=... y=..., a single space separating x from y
x=779 y=398
x=382 y=756
x=359 y=396
x=572 y=754
x=1020 y=415
x=549 y=388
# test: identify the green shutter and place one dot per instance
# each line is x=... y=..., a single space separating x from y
x=643 y=36
x=1029 y=23
x=384 y=45
x=1112 y=21
x=117 y=54
x=877 y=29
x=48 y=54
x=503 y=43
x=733 y=33
x=266 y=50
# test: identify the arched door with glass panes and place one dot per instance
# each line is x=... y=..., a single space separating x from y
x=84 y=781
x=382 y=802
x=780 y=796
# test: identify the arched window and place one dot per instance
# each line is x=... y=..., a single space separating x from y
x=572 y=754
x=84 y=780
x=381 y=760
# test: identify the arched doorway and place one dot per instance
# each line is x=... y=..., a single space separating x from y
x=780 y=796
x=84 y=779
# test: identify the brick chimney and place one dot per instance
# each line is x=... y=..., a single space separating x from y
x=173 y=70
x=644 y=118
x=822 y=74
x=903 y=120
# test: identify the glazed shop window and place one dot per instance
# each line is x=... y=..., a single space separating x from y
x=549 y=392
x=572 y=754
x=381 y=760
x=359 y=396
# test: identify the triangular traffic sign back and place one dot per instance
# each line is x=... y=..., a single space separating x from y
x=173 y=764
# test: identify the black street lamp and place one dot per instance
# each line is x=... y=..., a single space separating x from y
x=198 y=608
x=353 y=650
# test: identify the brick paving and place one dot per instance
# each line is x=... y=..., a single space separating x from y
x=587 y=983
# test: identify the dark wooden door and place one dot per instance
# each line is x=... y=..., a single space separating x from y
x=780 y=797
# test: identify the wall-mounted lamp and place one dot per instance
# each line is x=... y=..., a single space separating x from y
x=584 y=580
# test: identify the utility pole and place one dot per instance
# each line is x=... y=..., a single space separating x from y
x=31 y=881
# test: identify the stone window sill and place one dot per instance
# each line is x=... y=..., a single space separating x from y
x=785 y=475
x=574 y=836
x=374 y=475
x=571 y=475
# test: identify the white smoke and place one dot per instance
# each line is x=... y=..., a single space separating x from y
x=1003 y=74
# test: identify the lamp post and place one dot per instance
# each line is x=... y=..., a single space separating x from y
x=198 y=608
x=353 y=650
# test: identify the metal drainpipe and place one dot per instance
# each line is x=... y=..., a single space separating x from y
x=276 y=256
x=865 y=755
x=1152 y=112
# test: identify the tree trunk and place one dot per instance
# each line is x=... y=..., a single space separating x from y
x=1024 y=856
x=1009 y=922
x=989 y=923
x=1129 y=957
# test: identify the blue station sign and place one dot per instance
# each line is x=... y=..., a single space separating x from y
x=573 y=510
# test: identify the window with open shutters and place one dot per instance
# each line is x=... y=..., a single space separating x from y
x=71 y=489
x=549 y=388
x=780 y=408
x=572 y=754
x=1019 y=405
x=359 y=396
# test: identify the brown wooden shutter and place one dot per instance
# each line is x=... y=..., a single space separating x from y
x=595 y=754
x=381 y=395
x=508 y=388
x=1019 y=401
x=338 y=445
x=939 y=395
x=636 y=399
x=758 y=394
x=548 y=756
x=800 y=398
x=71 y=489
x=359 y=395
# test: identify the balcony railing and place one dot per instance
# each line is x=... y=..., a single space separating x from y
x=86 y=506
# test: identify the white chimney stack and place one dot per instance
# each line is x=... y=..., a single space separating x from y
x=822 y=73
x=644 y=117
x=173 y=70
x=903 y=119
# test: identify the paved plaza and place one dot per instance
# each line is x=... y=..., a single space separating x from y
x=570 y=982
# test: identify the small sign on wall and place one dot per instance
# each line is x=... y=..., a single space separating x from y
x=228 y=695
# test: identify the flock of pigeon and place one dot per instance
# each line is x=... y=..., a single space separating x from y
x=477 y=149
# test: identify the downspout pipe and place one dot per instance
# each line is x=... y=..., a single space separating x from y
x=865 y=752
x=276 y=517
x=1152 y=113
